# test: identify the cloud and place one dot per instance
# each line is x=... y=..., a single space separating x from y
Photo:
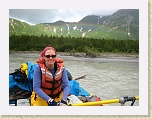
x=35 y=16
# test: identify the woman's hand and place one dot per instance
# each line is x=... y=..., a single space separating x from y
x=52 y=103
x=63 y=103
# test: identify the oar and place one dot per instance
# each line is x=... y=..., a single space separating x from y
x=121 y=100
x=81 y=77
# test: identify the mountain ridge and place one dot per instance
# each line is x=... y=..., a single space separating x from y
x=123 y=24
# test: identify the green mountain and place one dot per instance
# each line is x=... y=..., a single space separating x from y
x=123 y=24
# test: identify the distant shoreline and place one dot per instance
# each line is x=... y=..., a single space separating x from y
x=102 y=55
x=81 y=54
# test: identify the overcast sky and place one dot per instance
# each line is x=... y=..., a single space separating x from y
x=35 y=16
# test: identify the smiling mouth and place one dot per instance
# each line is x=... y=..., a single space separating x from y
x=50 y=61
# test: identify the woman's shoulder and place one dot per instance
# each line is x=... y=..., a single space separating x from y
x=37 y=67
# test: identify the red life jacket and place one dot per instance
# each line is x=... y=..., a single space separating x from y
x=51 y=85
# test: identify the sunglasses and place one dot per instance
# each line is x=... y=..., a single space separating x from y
x=48 y=56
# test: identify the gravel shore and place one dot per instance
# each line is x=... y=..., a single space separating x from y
x=81 y=54
x=101 y=55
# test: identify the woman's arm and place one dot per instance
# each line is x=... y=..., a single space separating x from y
x=65 y=85
x=37 y=84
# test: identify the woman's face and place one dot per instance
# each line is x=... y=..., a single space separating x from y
x=49 y=57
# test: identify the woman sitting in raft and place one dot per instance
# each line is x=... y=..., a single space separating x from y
x=50 y=82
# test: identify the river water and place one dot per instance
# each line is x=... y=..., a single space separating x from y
x=108 y=78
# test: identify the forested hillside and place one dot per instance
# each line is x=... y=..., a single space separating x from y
x=72 y=44
x=118 y=33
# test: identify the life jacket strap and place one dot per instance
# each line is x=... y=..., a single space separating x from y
x=55 y=95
